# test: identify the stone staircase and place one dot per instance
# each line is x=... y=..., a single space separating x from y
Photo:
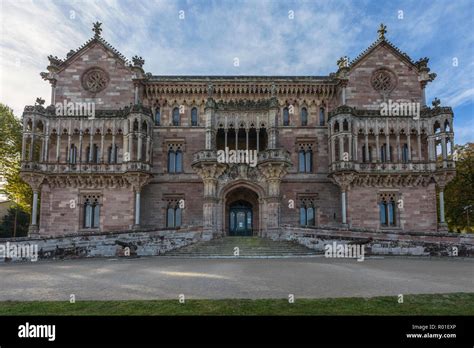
x=249 y=247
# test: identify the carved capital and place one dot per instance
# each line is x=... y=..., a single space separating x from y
x=443 y=178
x=138 y=180
x=344 y=180
x=34 y=180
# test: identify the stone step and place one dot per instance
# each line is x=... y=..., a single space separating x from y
x=248 y=247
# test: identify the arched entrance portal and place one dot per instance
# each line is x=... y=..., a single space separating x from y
x=241 y=213
x=240 y=219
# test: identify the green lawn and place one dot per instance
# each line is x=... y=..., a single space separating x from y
x=438 y=304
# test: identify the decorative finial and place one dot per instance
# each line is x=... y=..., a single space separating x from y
x=97 y=29
x=138 y=61
x=39 y=101
x=382 y=30
x=210 y=90
x=273 y=90
x=436 y=102
x=343 y=62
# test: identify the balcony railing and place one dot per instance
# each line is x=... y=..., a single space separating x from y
x=391 y=167
x=57 y=168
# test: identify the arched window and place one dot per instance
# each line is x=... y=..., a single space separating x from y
x=305 y=161
x=345 y=125
x=405 y=153
x=175 y=161
x=304 y=117
x=194 y=117
x=301 y=161
x=91 y=213
x=307 y=214
x=364 y=155
x=171 y=161
x=447 y=127
x=336 y=127
x=387 y=210
x=73 y=154
x=286 y=117
x=112 y=154
x=179 y=162
x=157 y=117
x=173 y=216
x=176 y=120
x=321 y=117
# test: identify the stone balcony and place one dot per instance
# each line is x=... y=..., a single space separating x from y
x=86 y=168
x=391 y=167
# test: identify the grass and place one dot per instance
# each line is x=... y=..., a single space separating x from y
x=437 y=304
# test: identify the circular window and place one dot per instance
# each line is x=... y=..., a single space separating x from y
x=383 y=81
x=95 y=80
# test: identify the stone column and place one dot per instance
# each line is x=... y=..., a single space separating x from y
x=343 y=207
x=112 y=155
x=23 y=147
x=125 y=143
x=102 y=139
x=341 y=147
x=46 y=149
x=137 y=181
x=349 y=140
x=387 y=147
x=399 y=154
x=377 y=148
x=237 y=138
x=344 y=180
x=419 y=147
x=356 y=147
x=258 y=139
x=209 y=173
x=367 y=156
x=210 y=119
x=225 y=137
x=35 y=181
x=443 y=148
x=442 y=179
x=273 y=171
x=246 y=138
x=139 y=150
x=68 y=153
x=147 y=149
x=409 y=146
x=58 y=146
x=333 y=149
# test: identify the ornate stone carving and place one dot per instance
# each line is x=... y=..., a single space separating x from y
x=97 y=29
x=95 y=80
x=33 y=179
x=382 y=31
x=138 y=61
x=383 y=81
x=344 y=180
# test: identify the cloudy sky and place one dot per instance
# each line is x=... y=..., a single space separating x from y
x=203 y=37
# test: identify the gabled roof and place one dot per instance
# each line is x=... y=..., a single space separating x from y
x=381 y=41
x=96 y=39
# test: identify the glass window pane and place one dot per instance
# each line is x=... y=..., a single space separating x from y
x=304 y=117
x=179 y=161
x=87 y=215
x=178 y=217
x=309 y=162
x=96 y=217
x=286 y=117
x=170 y=218
x=157 y=117
x=232 y=221
x=310 y=218
x=171 y=161
x=176 y=117
x=383 y=218
x=301 y=161
x=194 y=117
x=391 y=213
x=302 y=216
x=321 y=117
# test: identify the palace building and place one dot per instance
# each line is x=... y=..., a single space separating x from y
x=120 y=149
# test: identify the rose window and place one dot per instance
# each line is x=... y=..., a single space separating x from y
x=383 y=81
x=94 y=80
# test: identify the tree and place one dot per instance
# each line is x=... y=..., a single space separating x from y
x=18 y=191
x=15 y=223
x=459 y=193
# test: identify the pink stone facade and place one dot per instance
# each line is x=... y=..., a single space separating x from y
x=148 y=156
